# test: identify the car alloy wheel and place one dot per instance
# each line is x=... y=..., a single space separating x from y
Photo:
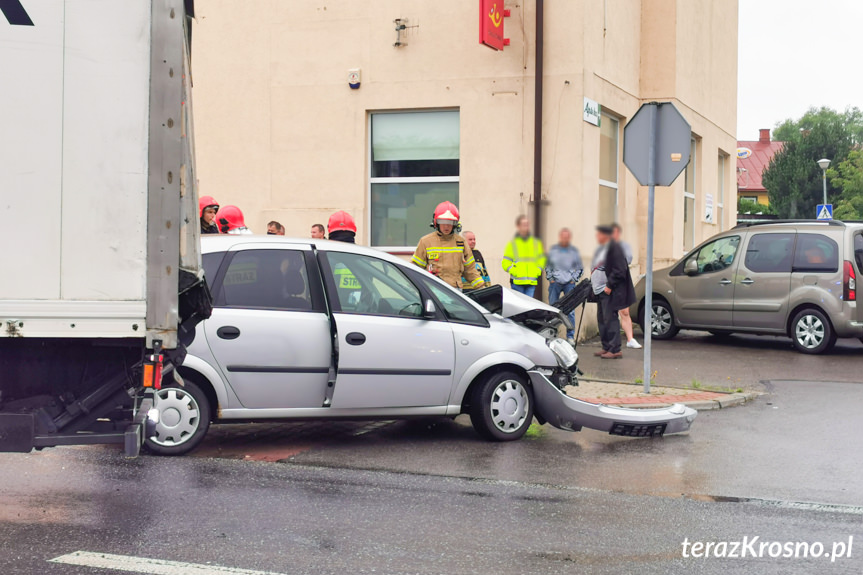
x=661 y=321
x=809 y=331
x=509 y=406
x=179 y=417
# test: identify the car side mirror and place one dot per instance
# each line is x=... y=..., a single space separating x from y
x=429 y=310
x=691 y=268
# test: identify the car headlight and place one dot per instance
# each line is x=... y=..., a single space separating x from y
x=566 y=355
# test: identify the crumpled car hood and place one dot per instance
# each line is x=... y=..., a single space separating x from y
x=529 y=311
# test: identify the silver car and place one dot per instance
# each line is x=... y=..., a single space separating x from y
x=309 y=329
x=794 y=278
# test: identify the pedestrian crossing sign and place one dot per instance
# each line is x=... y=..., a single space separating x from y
x=824 y=212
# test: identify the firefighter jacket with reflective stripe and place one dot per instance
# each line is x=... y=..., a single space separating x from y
x=448 y=257
x=523 y=260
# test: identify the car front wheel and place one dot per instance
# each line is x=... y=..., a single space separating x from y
x=184 y=417
x=501 y=406
x=811 y=332
x=663 y=320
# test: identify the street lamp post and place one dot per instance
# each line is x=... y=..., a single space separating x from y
x=824 y=163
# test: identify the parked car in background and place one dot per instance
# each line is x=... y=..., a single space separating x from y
x=794 y=278
x=311 y=329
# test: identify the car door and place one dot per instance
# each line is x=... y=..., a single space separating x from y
x=704 y=287
x=269 y=331
x=389 y=355
x=763 y=282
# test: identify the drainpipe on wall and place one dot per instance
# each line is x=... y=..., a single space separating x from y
x=537 y=129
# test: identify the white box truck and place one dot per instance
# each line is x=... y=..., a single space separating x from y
x=101 y=283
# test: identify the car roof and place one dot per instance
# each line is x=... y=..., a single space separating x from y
x=801 y=225
x=224 y=242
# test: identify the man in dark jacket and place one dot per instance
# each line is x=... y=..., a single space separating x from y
x=612 y=286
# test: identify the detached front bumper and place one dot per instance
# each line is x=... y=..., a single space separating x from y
x=571 y=414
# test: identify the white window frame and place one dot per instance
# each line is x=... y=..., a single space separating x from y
x=720 y=203
x=413 y=180
x=693 y=162
x=615 y=185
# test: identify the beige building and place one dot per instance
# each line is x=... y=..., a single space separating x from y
x=280 y=132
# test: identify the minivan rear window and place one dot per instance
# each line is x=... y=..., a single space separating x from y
x=816 y=253
x=858 y=251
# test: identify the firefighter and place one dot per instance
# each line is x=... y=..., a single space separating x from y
x=445 y=253
x=208 y=208
x=342 y=228
x=231 y=221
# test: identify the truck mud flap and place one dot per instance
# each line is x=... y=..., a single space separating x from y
x=571 y=414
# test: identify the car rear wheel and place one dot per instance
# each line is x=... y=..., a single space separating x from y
x=501 y=406
x=184 y=417
x=663 y=320
x=811 y=332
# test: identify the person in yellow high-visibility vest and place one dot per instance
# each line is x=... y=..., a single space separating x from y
x=523 y=258
x=444 y=253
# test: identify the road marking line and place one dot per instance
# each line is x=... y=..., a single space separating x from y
x=149 y=566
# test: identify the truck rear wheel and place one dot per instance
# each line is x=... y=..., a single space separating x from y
x=501 y=406
x=184 y=417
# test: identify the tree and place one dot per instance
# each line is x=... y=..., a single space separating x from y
x=847 y=176
x=793 y=178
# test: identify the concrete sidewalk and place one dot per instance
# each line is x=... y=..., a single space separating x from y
x=632 y=395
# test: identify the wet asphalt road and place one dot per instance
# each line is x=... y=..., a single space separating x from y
x=428 y=496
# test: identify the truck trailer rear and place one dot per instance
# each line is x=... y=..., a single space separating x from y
x=101 y=284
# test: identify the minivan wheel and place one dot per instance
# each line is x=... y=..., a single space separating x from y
x=663 y=320
x=184 y=417
x=501 y=406
x=811 y=332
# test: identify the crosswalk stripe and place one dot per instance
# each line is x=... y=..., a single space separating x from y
x=149 y=566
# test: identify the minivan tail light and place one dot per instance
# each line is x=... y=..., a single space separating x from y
x=849 y=290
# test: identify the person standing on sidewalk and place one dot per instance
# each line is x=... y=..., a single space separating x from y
x=444 y=252
x=470 y=238
x=612 y=286
x=523 y=258
x=625 y=318
x=562 y=272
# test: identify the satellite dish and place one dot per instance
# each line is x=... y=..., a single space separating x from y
x=743 y=153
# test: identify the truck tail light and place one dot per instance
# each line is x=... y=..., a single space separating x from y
x=849 y=283
x=153 y=372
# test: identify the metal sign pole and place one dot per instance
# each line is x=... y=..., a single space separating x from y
x=648 y=280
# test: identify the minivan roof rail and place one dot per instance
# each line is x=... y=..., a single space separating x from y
x=772 y=222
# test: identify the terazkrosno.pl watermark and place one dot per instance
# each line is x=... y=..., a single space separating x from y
x=754 y=547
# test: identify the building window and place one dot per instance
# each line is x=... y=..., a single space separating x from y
x=689 y=192
x=609 y=137
x=753 y=199
x=720 y=190
x=414 y=167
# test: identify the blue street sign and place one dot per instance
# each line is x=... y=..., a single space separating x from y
x=824 y=212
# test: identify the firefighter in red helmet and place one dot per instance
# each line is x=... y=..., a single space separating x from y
x=208 y=210
x=445 y=253
x=231 y=221
x=342 y=228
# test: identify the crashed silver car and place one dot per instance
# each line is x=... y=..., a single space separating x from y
x=309 y=329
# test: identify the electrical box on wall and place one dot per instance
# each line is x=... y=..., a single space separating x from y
x=354 y=78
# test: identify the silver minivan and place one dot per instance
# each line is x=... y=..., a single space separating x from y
x=311 y=329
x=794 y=278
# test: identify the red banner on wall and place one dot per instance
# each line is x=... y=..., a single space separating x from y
x=491 y=14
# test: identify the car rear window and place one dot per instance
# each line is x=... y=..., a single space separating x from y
x=816 y=253
x=858 y=251
x=769 y=253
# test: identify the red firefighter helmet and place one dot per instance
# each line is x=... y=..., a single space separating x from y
x=207 y=202
x=231 y=220
x=445 y=212
x=341 y=221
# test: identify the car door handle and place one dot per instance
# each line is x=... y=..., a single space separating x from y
x=228 y=332
x=355 y=338
x=747 y=281
x=724 y=282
